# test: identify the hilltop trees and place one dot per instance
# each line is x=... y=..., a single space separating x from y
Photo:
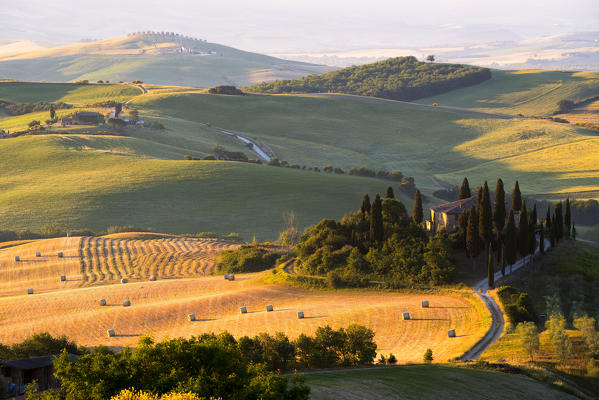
x=430 y=58
x=365 y=208
x=417 y=214
x=465 y=190
x=389 y=194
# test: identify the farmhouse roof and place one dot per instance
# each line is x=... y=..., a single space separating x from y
x=87 y=114
x=455 y=207
x=34 y=362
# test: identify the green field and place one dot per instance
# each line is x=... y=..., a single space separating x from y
x=427 y=382
x=527 y=92
x=54 y=178
x=71 y=93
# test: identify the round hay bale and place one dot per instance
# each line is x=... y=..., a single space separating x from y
x=451 y=333
x=152 y=277
x=63 y=278
x=110 y=332
x=269 y=308
x=191 y=317
x=102 y=302
x=424 y=303
x=38 y=254
x=300 y=315
x=29 y=291
x=124 y=280
x=243 y=310
x=126 y=303
x=406 y=316
x=226 y=276
x=17 y=258
x=231 y=277
x=60 y=255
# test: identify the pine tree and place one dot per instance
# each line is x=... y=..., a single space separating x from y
x=511 y=244
x=389 y=194
x=365 y=208
x=523 y=235
x=417 y=214
x=568 y=218
x=516 y=198
x=499 y=209
x=485 y=216
x=472 y=238
x=465 y=190
x=376 y=220
x=490 y=268
x=502 y=261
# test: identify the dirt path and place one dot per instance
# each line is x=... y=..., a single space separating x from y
x=405 y=104
x=254 y=147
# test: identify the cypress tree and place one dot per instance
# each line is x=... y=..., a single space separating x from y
x=52 y=111
x=485 y=216
x=499 y=208
x=479 y=196
x=552 y=236
x=532 y=228
x=472 y=238
x=465 y=190
x=389 y=194
x=490 y=268
x=511 y=244
x=523 y=235
x=548 y=218
x=417 y=214
x=376 y=220
x=573 y=232
x=502 y=261
x=516 y=198
x=463 y=220
x=559 y=222
x=568 y=218
x=542 y=240
x=365 y=208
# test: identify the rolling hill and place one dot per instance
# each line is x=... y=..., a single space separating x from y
x=161 y=58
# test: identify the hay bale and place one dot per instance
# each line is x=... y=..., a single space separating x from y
x=29 y=291
x=60 y=255
x=110 y=332
x=451 y=333
x=243 y=310
x=226 y=276
x=17 y=258
x=102 y=302
x=38 y=253
x=63 y=278
x=424 y=303
x=269 y=308
x=300 y=315
x=126 y=303
x=124 y=280
x=152 y=277
x=231 y=277
x=406 y=316
x=191 y=317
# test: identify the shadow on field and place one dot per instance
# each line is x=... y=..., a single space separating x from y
x=462 y=335
x=282 y=309
x=315 y=316
x=128 y=335
x=204 y=319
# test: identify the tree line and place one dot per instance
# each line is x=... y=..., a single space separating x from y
x=400 y=78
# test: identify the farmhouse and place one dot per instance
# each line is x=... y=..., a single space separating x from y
x=446 y=216
x=67 y=121
x=88 y=117
x=24 y=371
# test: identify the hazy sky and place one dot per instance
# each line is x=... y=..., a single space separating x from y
x=306 y=25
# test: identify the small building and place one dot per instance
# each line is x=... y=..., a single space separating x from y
x=4 y=134
x=446 y=216
x=24 y=371
x=67 y=121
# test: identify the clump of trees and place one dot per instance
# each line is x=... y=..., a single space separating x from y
x=518 y=305
x=400 y=78
x=40 y=344
x=223 y=154
x=245 y=259
x=26 y=108
x=379 y=242
x=225 y=89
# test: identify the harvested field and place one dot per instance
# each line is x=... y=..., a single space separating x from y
x=161 y=308
x=91 y=261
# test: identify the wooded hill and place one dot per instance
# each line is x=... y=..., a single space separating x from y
x=400 y=78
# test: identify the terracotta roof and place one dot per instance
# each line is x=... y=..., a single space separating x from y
x=456 y=207
x=34 y=362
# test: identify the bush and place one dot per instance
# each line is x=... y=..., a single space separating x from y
x=127 y=228
x=518 y=306
x=132 y=394
x=187 y=157
x=8 y=236
x=245 y=259
x=428 y=356
x=34 y=124
x=225 y=89
x=274 y=162
x=391 y=360
x=26 y=234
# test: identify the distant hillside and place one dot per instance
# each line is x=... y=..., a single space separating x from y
x=160 y=58
x=401 y=78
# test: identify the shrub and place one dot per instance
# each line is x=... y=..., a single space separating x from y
x=127 y=228
x=245 y=259
x=225 y=89
x=34 y=124
x=132 y=394
x=187 y=157
x=8 y=236
x=26 y=234
x=391 y=360
x=274 y=162
x=55 y=229
x=428 y=356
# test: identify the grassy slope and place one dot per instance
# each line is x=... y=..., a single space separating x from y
x=348 y=133
x=130 y=58
x=427 y=382
x=93 y=189
x=527 y=92
x=33 y=92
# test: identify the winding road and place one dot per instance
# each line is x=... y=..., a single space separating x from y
x=255 y=147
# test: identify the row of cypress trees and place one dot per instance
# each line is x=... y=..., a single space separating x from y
x=486 y=225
